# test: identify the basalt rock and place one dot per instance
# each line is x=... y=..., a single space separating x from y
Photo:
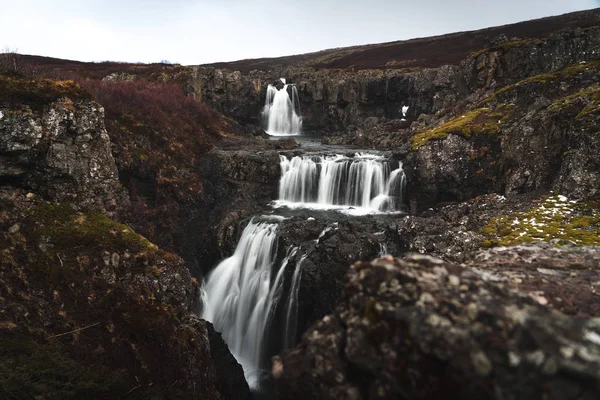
x=62 y=152
x=421 y=328
x=237 y=185
x=334 y=241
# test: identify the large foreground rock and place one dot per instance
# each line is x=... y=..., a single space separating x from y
x=421 y=328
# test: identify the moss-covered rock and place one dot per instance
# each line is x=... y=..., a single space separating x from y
x=554 y=218
x=480 y=121
x=90 y=307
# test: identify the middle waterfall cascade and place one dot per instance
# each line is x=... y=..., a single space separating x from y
x=281 y=114
x=240 y=296
x=366 y=181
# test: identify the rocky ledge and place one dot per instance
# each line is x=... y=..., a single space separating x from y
x=422 y=328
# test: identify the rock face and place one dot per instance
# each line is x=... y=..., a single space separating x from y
x=333 y=100
x=237 y=185
x=334 y=241
x=63 y=152
x=87 y=306
x=421 y=328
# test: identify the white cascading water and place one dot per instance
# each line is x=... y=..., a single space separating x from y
x=239 y=297
x=362 y=181
x=291 y=308
x=281 y=115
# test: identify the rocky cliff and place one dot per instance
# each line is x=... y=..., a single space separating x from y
x=334 y=100
x=518 y=116
x=88 y=307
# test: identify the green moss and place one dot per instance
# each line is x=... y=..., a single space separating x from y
x=590 y=97
x=505 y=46
x=65 y=227
x=577 y=69
x=38 y=92
x=553 y=218
x=62 y=236
x=540 y=79
x=474 y=122
x=370 y=312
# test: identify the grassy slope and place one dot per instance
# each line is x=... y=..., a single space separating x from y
x=425 y=52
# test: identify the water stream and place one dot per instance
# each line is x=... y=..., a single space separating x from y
x=281 y=113
x=249 y=293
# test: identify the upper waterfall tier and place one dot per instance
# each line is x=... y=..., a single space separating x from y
x=367 y=181
x=281 y=113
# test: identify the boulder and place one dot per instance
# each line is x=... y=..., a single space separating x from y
x=421 y=328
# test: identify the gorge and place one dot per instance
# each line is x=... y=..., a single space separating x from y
x=428 y=227
x=245 y=297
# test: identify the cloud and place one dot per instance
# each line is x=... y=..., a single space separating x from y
x=202 y=31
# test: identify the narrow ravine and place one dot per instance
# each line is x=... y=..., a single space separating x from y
x=252 y=296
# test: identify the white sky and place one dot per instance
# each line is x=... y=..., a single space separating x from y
x=203 y=31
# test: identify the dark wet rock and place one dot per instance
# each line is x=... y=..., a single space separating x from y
x=230 y=375
x=327 y=245
x=237 y=185
x=423 y=328
x=286 y=144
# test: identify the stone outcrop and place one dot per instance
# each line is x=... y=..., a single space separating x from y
x=237 y=185
x=62 y=152
x=334 y=241
x=422 y=328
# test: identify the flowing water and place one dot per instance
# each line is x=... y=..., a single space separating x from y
x=281 y=113
x=240 y=296
x=366 y=181
x=251 y=297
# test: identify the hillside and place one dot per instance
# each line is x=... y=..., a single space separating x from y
x=423 y=52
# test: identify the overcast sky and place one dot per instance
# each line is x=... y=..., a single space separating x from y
x=203 y=31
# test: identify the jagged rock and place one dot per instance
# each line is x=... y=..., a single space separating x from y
x=421 y=328
x=63 y=152
x=231 y=382
x=327 y=245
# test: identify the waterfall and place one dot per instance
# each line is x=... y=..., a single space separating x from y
x=291 y=308
x=240 y=296
x=281 y=113
x=366 y=181
x=383 y=250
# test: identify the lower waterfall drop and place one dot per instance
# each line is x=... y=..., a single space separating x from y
x=241 y=294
